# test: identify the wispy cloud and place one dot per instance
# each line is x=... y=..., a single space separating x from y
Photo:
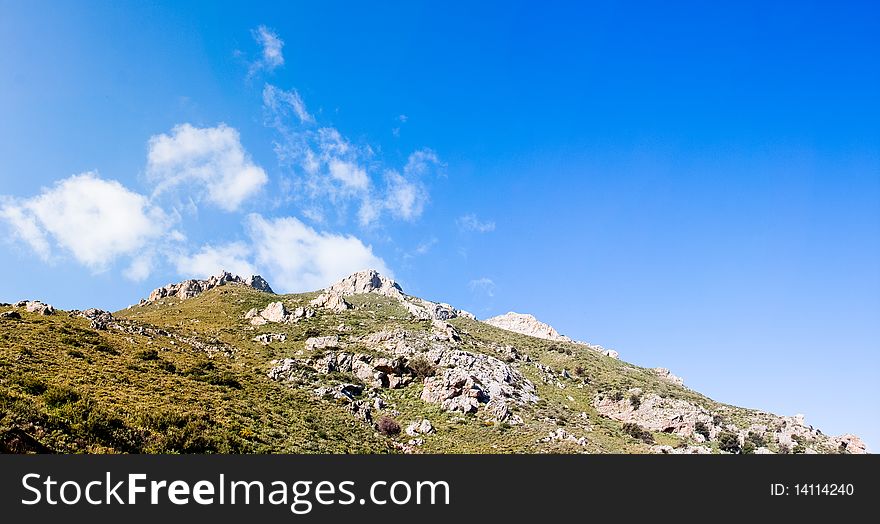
x=271 y=54
x=470 y=222
x=97 y=221
x=483 y=285
x=211 y=161
x=325 y=168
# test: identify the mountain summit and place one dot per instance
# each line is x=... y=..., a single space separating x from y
x=224 y=365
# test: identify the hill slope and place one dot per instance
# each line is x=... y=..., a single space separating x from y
x=360 y=367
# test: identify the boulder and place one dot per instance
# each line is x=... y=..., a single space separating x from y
x=423 y=427
x=275 y=312
x=10 y=315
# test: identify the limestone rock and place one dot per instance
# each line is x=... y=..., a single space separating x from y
x=331 y=300
x=656 y=413
x=370 y=281
x=667 y=375
x=192 y=287
x=275 y=312
x=99 y=318
x=849 y=444
x=526 y=325
x=268 y=338
x=561 y=435
x=424 y=427
x=35 y=306
x=328 y=342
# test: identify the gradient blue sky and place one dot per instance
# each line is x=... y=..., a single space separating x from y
x=695 y=186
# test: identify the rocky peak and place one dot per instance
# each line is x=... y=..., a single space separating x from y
x=526 y=325
x=367 y=281
x=192 y=287
x=370 y=281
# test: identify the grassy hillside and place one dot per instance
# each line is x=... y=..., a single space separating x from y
x=184 y=376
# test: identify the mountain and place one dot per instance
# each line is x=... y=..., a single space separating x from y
x=224 y=365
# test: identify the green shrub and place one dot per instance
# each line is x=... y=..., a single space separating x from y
x=701 y=429
x=757 y=439
x=32 y=385
x=617 y=396
x=148 y=354
x=75 y=353
x=638 y=432
x=422 y=367
x=56 y=396
x=635 y=401
x=729 y=442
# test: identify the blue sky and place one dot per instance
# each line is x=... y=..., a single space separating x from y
x=697 y=187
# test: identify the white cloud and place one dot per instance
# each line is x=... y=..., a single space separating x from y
x=483 y=285
x=404 y=198
x=470 y=222
x=95 y=220
x=212 y=159
x=299 y=258
x=351 y=175
x=210 y=260
x=282 y=103
x=421 y=162
x=271 y=55
x=402 y=118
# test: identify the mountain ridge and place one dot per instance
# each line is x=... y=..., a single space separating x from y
x=350 y=356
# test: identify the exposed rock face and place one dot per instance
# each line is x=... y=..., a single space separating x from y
x=192 y=288
x=469 y=380
x=665 y=374
x=370 y=281
x=849 y=443
x=329 y=342
x=656 y=413
x=526 y=325
x=331 y=300
x=35 y=306
x=275 y=312
x=99 y=318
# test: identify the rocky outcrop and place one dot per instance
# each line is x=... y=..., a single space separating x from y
x=684 y=450
x=526 y=325
x=656 y=413
x=849 y=444
x=370 y=281
x=466 y=381
x=561 y=435
x=99 y=318
x=331 y=300
x=268 y=338
x=275 y=312
x=328 y=342
x=667 y=375
x=10 y=315
x=35 y=306
x=192 y=288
